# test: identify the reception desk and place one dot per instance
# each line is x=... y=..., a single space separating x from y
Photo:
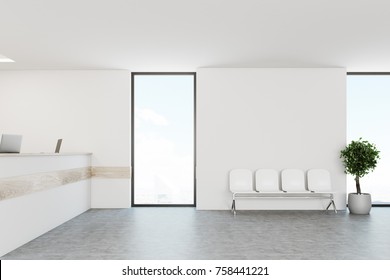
x=38 y=192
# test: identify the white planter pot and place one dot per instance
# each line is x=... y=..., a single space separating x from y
x=359 y=203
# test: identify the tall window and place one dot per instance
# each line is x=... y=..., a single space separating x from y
x=163 y=157
x=368 y=115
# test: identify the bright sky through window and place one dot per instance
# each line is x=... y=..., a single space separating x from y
x=368 y=116
x=163 y=139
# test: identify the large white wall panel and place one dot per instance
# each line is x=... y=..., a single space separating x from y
x=268 y=118
x=89 y=109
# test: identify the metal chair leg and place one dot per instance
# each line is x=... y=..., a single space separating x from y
x=334 y=206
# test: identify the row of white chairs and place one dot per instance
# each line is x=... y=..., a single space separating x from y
x=292 y=184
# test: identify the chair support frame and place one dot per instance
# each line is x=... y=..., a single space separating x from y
x=239 y=195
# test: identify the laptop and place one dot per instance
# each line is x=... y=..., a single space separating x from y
x=10 y=143
x=58 y=146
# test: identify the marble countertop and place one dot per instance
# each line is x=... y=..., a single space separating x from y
x=25 y=184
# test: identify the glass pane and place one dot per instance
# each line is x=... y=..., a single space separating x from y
x=368 y=115
x=163 y=139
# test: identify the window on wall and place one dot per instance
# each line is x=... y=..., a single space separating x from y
x=368 y=116
x=163 y=146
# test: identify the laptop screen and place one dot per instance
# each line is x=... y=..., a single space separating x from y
x=10 y=143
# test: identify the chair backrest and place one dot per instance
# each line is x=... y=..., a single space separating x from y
x=240 y=180
x=293 y=180
x=267 y=180
x=318 y=180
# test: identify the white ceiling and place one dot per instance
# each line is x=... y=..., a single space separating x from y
x=181 y=35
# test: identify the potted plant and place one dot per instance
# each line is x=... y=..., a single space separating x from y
x=359 y=158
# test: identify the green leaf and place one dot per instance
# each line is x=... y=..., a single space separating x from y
x=359 y=158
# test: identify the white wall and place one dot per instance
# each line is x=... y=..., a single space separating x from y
x=25 y=217
x=268 y=118
x=90 y=110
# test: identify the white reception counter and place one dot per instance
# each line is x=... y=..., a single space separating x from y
x=38 y=192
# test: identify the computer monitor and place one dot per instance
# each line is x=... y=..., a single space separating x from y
x=10 y=143
x=58 y=146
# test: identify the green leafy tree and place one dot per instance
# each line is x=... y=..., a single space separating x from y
x=359 y=158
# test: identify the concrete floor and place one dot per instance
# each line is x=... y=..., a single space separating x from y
x=185 y=233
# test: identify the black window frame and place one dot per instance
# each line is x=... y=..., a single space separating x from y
x=371 y=74
x=133 y=74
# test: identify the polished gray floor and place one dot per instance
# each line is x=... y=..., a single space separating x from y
x=185 y=233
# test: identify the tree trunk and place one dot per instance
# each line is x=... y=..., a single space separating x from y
x=358 y=185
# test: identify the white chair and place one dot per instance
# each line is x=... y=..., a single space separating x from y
x=319 y=182
x=240 y=184
x=267 y=180
x=240 y=180
x=293 y=180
